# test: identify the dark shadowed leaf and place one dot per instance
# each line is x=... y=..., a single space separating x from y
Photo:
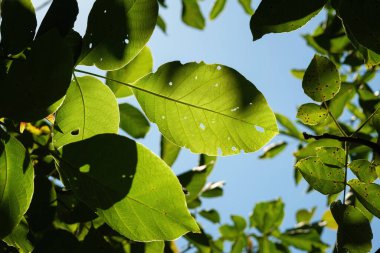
x=321 y=81
x=200 y=240
x=58 y=241
x=192 y=15
x=270 y=16
x=174 y=98
x=354 y=230
x=267 y=216
x=16 y=183
x=368 y=194
x=194 y=181
x=140 y=66
x=133 y=190
x=132 y=121
x=211 y=215
x=18 y=25
x=117 y=31
x=61 y=16
x=34 y=87
x=213 y=190
x=18 y=238
x=304 y=239
x=89 y=108
x=161 y=23
x=273 y=150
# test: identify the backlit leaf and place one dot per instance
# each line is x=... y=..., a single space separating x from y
x=132 y=121
x=267 y=216
x=321 y=81
x=312 y=114
x=174 y=98
x=18 y=238
x=18 y=25
x=217 y=8
x=273 y=150
x=16 y=183
x=117 y=30
x=364 y=170
x=368 y=195
x=89 y=108
x=140 y=66
x=246 y=4
x=323 y=178
x=291 y=129
x=270 y=16
x=192 y=15
x=304 y=215
x=133 y=190
x=169 y=151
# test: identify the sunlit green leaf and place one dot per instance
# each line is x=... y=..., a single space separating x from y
x=89 y=108
x=273 y=150
x=169 y=151
x=329 y=219
x=304 y=215
x=18 y=25
x=368 y=194
x=354 y=230
x=16 y=183
x=211 y=215
x=270 y=16
x=246 y=4
x=312 y=114
x=359 y=14
x=311 y=148
x=239 y=222
x=134 y=191
x=364 y=170
x=239 y=244
x=344 y=96
x=298 y=73
x=321 y=81
x=116 y=32
x=192 y=15
x=133 y=121
x=34 y=87
x=267 y=246
x=18 y=238
x=61 y=16
x=267 y=216
x=174 y=98
x=332 y=156
x=140 y=66
x=323 y=178
x=291 y=129
x=217 y=8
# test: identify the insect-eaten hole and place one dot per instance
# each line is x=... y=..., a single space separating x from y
x=75 y=132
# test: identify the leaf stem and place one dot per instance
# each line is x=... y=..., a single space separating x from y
x=365 y=122
x=334 y=119
x=349 y=139
x=346 y=147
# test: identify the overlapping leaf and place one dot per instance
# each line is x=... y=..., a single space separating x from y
x=132 y=121
x=131 y=189
x=209 y=109
x=368 y=194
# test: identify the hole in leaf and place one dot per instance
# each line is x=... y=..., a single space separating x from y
x=75 y=132
x=260 y=129
x=202 y=126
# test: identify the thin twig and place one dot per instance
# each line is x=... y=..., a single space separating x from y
x=334 y=119
x=365 y=122
x=370 y=144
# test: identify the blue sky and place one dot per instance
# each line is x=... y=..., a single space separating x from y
x=267 y=64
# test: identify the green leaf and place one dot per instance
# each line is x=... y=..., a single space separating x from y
x=132 y=121
x=34 y=87
x=16 y=183
x=267 y=246
x=140 y=66
x=193 y=181
x=117 y=30
x=273 y=150
x=18 y=25
x=339 y=102
x=304 y=215
x=270 y=16
x=169 y=151
x=174 y=98
x=239 y=222
x=364 y=170
x=361 y=21
x=192 y=15
x=246 y=4
x=200 y=240
x=291 y=129
x=211 y=215
x=304 y=239
x=229 y=232
x=323 y=178
x=267 y=216
x=298 y=73
x=161 y=23
x=321 y=81
x=217 y=8
x=311 y=148
x=239 y=244
x=18 y=238
x=139 y=197
x=61 y=16
x=209 y=161
x=354 y=229
x=328 y=218
x=213 y=190
x=368 y=195
x=312 y=114
x=332 y=156
x=89 y=108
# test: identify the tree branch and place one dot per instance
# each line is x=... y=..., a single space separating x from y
x=372 y=145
